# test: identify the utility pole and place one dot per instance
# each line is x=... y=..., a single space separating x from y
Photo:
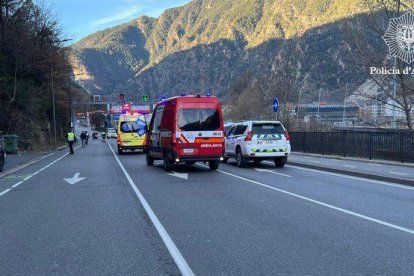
x=53 y=99
x=53 y=89
x=394 y=92
x=394 y=95
x=319 y=105
x=344 y=114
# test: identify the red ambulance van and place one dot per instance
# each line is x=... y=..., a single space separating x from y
x=185 y=130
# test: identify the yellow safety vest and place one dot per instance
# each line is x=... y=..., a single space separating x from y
x=71 y=136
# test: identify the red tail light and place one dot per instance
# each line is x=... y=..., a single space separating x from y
x=249 y=136
x=287 y=136
x=119 y=139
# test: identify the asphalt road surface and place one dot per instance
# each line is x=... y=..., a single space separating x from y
x=113 y=215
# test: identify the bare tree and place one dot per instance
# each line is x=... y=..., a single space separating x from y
x=366 y=35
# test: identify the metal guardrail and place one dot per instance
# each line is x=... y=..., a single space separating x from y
x=385 y=145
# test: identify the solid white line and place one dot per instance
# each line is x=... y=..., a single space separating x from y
x=33 y=174
x=172 y=248
x=398 y=173
x=17 y=184
x=350 y=177
x=349 y=166
x=313 y=161
x=4 y=192
x=407 y=230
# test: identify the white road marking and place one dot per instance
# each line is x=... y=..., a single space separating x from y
x=352 y=177
x=75 y=179
x=179 y=175
x=169 y=243
x=273 y=172
x=398 y=173
x=17 y=184
x=349 y=166
x=374 y=164
x=33 y=174
x=4 y=192
x=314 y=161
x=394 y=226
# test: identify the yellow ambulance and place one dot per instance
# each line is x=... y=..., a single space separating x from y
x=131 y=132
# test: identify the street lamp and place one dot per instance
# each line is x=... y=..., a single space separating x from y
x=53 y=89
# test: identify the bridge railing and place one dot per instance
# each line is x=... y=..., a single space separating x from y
x=386 y=145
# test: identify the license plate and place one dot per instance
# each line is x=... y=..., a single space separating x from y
x=188 y=150
x=269 y=142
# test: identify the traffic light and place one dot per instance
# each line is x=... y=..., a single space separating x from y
x=145 y=98
x=121 y=97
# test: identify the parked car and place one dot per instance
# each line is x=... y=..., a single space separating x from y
x=2 y=153
x=258 y=141
x=185 y=130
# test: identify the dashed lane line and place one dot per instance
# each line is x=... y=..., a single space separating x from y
x=351 y=177
x=398 y=173
x=320 y=203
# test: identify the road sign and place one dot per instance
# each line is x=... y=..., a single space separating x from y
x=275 y=105
x=145 y=98
x=96 y=98
x=121 y=97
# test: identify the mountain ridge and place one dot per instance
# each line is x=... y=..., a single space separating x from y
x=210 y=37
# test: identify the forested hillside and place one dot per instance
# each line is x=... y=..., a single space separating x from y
x=31 y=53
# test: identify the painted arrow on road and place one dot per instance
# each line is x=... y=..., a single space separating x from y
x=75 y=179
x=270 y=171
x=179 y=175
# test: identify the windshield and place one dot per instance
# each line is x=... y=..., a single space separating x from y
x=268 y=128
x=199 y=119
x=132 y=127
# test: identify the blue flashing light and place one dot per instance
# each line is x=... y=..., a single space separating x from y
x=182 y=94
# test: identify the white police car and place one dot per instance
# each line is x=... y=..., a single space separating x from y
x=258 y=141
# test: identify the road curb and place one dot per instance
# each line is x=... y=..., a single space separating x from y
x=338 y=157
x=18 y=168
x=357 y=174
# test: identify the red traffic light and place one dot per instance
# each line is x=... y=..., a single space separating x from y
x=121 y=97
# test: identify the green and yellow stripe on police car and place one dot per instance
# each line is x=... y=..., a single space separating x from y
x=269 y=136
x=268 y=150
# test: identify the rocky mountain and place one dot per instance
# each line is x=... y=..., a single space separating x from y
x=209 y=45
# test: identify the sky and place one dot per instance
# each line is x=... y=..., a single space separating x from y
x=80 y=18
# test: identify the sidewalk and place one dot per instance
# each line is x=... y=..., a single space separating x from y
x=365 y=160
x=15 y=162
x=388 y=171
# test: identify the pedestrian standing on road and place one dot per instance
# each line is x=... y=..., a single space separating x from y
x=71 y=140
x=83 y=138
x=87 y=138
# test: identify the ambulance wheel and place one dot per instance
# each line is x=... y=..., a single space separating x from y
x=167 y=163
x=213 y=165
x=120 y=151
x=150 y=160
x=241 y=161
x=280 y=162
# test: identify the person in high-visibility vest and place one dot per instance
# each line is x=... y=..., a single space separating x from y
x=71 y=140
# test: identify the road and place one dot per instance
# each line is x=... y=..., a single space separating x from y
x=125 y=218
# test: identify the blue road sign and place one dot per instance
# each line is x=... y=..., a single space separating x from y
x=275 y=105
